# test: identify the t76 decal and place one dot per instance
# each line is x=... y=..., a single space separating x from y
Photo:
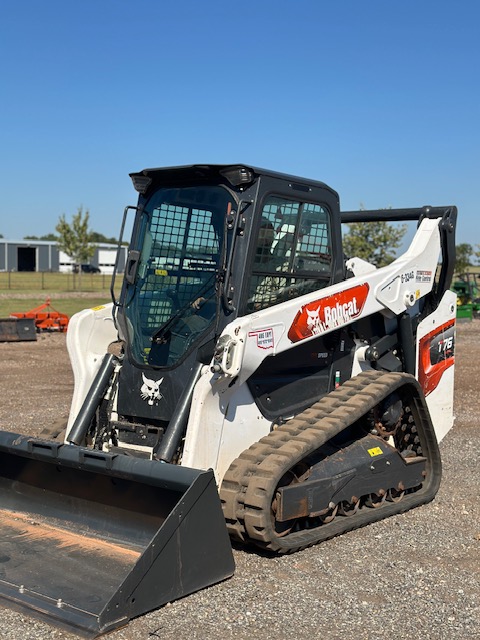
x=436 y=353
x=328 y=313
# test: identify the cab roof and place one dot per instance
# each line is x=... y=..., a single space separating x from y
x=234 y=174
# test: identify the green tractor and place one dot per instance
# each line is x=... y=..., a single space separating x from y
x=467 y=288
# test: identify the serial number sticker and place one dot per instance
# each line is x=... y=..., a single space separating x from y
x=376 y=451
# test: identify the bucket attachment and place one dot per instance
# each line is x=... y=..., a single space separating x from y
x=17 y=329
x=90 y=540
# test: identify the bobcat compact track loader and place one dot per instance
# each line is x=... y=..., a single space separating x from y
x=244 y=353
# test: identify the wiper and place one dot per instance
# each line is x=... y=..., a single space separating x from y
x=160 y=337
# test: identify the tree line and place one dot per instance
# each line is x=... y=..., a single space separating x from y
x=376 y=242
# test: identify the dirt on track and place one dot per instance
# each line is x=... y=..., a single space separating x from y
x=410 y=576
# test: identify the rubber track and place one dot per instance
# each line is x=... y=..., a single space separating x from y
x=249 y=485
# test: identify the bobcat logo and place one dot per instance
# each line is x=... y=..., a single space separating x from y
x=150 y=390
x=329 y=313
x=314 y=323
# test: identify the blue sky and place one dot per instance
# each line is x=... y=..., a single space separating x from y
x=380 y=99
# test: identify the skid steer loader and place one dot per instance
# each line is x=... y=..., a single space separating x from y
x=250 y=374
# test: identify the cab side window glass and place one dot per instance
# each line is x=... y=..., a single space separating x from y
x=292 y=254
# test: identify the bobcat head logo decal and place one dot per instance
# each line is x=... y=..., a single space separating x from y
x=150 y=390
x=314 y=323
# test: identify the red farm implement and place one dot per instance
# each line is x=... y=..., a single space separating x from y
x=46 y=317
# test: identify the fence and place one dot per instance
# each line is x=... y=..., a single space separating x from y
x=53 y=281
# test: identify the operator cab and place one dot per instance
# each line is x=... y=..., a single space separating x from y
x=211 y=243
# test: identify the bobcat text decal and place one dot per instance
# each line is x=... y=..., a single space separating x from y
x=328 y=313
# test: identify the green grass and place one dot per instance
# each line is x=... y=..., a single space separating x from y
x=22 y=291
x=53 y=282
x=69 y=306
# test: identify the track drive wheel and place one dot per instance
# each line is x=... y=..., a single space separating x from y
x=285 y=462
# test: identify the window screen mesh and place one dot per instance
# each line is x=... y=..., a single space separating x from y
x=292 y=255
x=176 y=276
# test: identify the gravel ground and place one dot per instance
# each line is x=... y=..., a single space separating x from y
x=414 y=575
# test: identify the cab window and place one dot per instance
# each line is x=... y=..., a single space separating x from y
x=292 y=254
